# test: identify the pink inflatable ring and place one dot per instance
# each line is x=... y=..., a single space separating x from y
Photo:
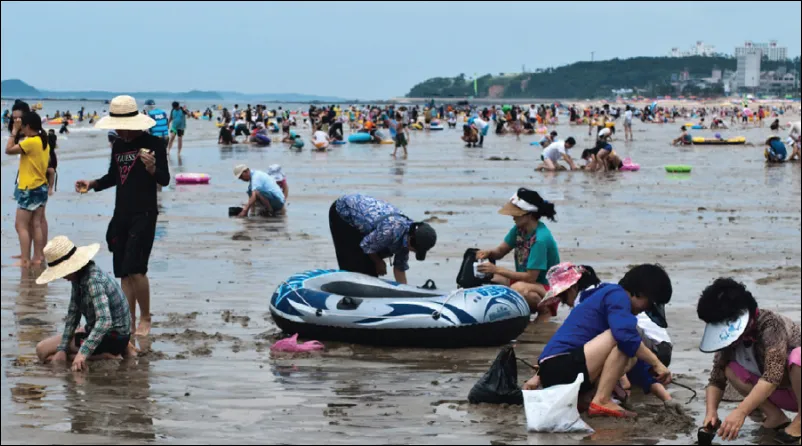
x=192 y=178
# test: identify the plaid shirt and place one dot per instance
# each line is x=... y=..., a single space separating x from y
x=98 y=298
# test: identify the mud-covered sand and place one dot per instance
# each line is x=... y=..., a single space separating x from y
x=210 y=376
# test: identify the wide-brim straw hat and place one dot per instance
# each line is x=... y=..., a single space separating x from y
x=125 y=115
x=64 y=258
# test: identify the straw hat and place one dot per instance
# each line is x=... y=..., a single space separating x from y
x=64 y=258
x=124 y=115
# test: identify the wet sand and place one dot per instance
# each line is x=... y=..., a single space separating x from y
x=211 y=377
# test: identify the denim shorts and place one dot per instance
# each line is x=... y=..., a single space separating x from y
x=31 y=199
x=275 y=202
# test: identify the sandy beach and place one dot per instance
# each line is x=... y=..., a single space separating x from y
x=210 y=376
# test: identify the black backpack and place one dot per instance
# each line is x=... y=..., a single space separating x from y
x=465 y=278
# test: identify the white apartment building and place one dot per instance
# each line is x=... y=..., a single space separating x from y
x=771 y=50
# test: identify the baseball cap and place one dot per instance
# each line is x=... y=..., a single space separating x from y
x=425 y=238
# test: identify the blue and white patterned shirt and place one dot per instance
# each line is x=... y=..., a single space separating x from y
x=384 y=226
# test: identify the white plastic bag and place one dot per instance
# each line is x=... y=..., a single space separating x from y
x=554 y=409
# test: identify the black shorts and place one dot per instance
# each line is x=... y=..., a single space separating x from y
x=112 y=343
x=179 y=132
x=564 y=369
x=130 y=239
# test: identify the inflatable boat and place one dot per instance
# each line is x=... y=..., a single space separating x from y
x=355 y=308
x=719 y=142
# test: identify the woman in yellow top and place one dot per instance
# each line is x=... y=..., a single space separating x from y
x=32 y=186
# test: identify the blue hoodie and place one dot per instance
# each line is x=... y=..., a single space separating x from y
x=606 y=308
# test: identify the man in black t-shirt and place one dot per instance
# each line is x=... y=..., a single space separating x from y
x=138 y=166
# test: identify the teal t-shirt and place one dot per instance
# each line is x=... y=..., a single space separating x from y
x=534 y=251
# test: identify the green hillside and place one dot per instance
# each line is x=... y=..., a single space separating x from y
x=585 y=79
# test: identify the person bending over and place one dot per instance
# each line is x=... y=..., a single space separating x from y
x=366 y=230
x=556 y=152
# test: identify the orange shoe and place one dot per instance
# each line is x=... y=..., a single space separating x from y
x=599 y=411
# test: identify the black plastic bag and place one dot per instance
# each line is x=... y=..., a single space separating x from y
x=466 y=278
x=500 y=384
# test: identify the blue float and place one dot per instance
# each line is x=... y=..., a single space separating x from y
x=359 y=138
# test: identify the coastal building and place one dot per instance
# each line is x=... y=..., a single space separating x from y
x=771 y=50
x=779 y=82
x=700 y=49
x=748 y=73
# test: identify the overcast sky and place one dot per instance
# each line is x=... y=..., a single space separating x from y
x=365 y=50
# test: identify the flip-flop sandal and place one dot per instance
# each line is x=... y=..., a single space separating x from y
x=599 y=411
x=784 y=438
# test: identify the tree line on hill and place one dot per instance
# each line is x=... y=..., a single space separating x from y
x=651 y=76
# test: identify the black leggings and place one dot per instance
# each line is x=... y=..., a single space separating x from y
x=347 y=239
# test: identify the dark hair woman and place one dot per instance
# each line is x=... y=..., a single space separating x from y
x=758 y=353
x=32 y=185
x=535 y=248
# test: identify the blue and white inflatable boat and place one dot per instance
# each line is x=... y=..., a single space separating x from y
x=355 y=308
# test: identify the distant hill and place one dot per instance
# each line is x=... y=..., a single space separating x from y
x=15 y=88
x=188 y=96
x=651 y=75
x=279 y=97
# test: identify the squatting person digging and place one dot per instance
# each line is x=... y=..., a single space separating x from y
x=97 y=297
x=758 y=353
x=571 y=284
x=366 y=230
x=600 y=340
x=265 y=195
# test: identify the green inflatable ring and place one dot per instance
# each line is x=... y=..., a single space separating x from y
x=678 y=169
